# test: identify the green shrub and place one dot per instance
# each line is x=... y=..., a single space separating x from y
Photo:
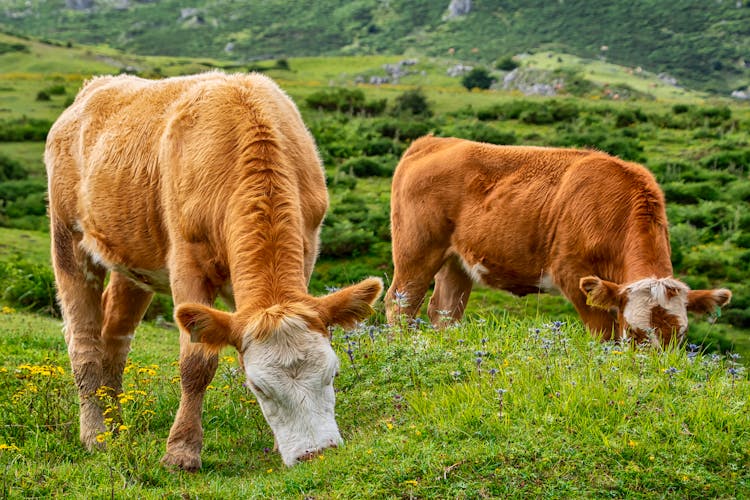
x=693 y=192
x=627 y=148
x=413 y=102
x=28 y=285
x=365 y=166
x=736 y=162
x=11 y=169
x=477 y=78
x=343 y=239
x=24 y=129
x=6 y=48
x=55 y=90
x=479 y=131
x=351 y=101
x=43 y=95
x=506 y=64
x=403 y=129
x=341 y=180
x=382 y=146
x=628 y=117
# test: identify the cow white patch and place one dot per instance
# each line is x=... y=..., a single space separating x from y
x=291 y=374
x=547 y=284
x=645 y=294
x=475 y=271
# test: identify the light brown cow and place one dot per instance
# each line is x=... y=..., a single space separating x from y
x=203 y=185
x=530 y=219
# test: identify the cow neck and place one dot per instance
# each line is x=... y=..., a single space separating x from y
x=647 y=253
x=265 y=247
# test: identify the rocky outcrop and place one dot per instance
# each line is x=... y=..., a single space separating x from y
x=79 y=4
x=458 y=8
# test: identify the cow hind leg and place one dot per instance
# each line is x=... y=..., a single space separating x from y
x=452 y=290
x=124 y=304
x=79 y=285
x=411 y=279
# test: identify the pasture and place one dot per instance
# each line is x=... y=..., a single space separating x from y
x=517 y=401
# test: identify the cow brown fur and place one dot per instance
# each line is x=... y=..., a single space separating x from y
x=528 y=219
x=203 y=186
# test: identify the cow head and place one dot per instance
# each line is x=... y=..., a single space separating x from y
x=652 y=309
x=288 y=360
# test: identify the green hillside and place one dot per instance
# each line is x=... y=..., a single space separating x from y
x=704 y=45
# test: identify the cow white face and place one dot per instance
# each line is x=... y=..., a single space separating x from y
x=288 y=359
x=651 y=309
x=291 y=374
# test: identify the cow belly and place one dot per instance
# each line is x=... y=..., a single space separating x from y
x=154 y=280
x=511 y=279
x=153 y=276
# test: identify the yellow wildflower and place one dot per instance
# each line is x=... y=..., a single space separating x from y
x=411 y=482
x=9 y=447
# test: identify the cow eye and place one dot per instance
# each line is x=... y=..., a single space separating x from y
x=256 y=389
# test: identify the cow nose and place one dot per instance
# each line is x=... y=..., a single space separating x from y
x=310 y=454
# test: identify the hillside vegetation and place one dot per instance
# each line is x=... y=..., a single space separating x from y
x=704 y=45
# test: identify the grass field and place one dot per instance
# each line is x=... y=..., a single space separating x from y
x=497 y=407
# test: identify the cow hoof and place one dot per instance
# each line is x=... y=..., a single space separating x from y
x=181 y=461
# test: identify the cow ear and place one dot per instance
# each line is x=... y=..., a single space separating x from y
x=600 y=293
x=349 y=305
x=708 y=301
x=210 y=327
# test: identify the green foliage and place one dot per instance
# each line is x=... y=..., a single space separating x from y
x=23 y=204
x=10 y=169
x=506 y=64
x=412 y=102
x=367 y=166
x=344 y=100
x=24 y=129
x=479 y=131
x=28 y=285
x=7 y=48
x=403 y=129
x=477 y=78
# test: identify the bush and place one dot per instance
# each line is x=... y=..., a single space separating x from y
x=693 y=192
x=30 y=286
x=413 y=102
x=479 y=131
x=24 y=129
x=351 y=101
x=43 y=95
x=366 y=167
x=477 y=78
x=403 y=130
x=11 y=169
x=506 y=64
x=343 y=239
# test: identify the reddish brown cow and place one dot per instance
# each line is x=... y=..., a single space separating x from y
x=205 y=185
x=530 y=219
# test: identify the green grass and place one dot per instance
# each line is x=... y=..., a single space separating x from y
x=420 y=416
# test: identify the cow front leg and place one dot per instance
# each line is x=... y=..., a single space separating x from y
x=79 y=289
x=197 y=369
x=185 y=441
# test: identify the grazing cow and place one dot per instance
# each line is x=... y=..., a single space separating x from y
x=530 y=219
x=204 y=186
